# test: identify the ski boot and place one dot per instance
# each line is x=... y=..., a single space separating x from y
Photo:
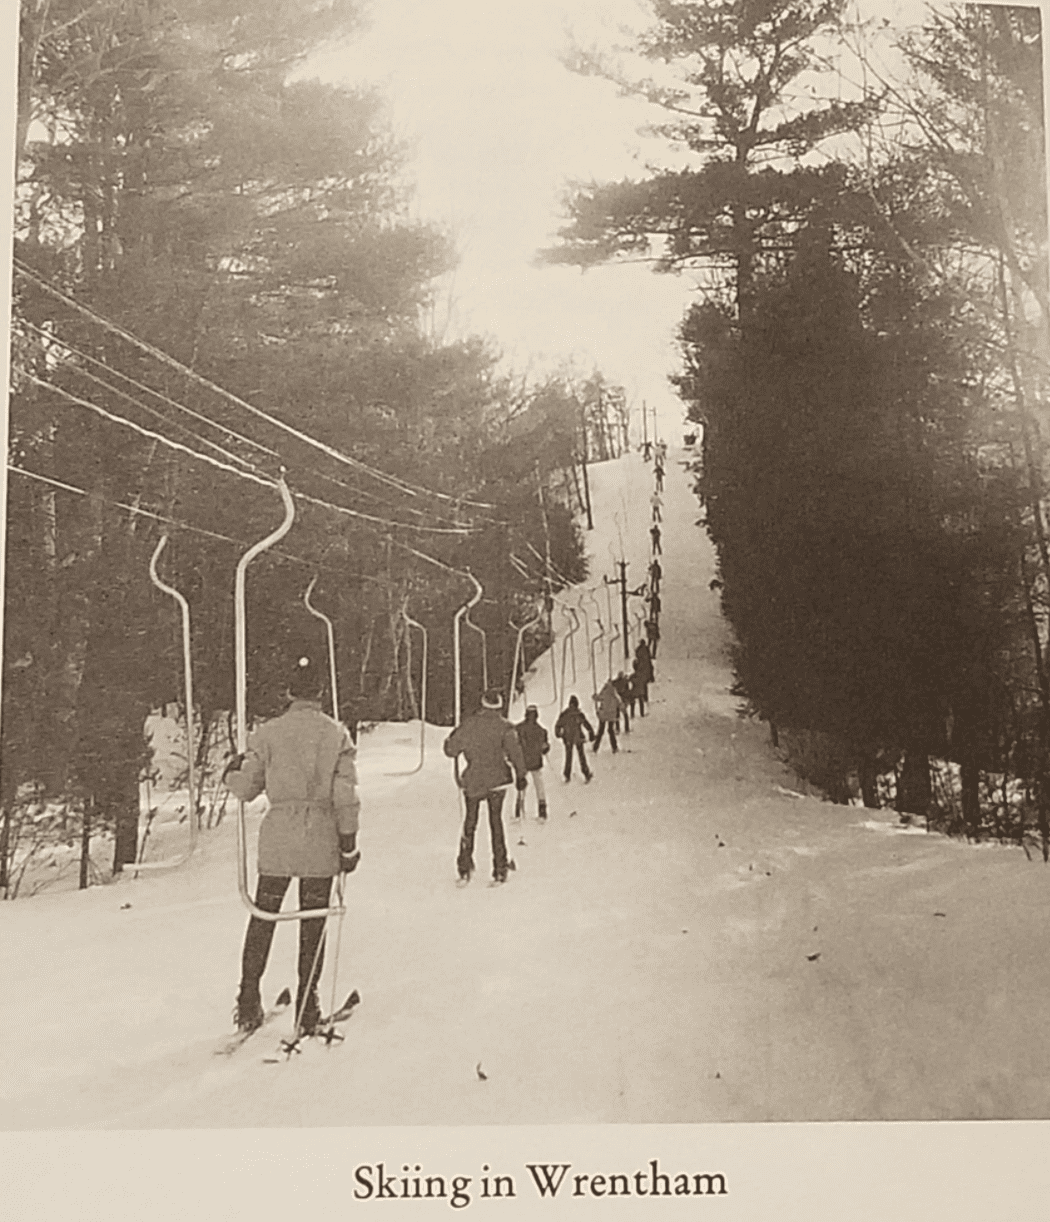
x=248 y=1013
x=543 y=812
x=500 y=876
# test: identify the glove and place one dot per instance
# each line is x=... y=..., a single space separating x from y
x=234 y=765
x=349 y=853
x=521 y=783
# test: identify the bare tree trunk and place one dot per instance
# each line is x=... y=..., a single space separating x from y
x=868 y=774
x=971 y=795
x=914 y=788
x=85 y=840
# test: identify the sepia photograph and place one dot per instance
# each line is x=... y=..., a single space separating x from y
x=417 y=407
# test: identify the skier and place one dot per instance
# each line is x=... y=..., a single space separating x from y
x=492 y=749
x=655 y=606
x=657 y=503
x=654 y=534
x=631 y=698
x=652 y=631
x=655 y=575
x=570 y=728
x=642 y=676
x=623 y=690
x=534 y=746
x=608 y=704
x=304 y=761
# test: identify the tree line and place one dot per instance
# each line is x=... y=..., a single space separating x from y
x=217 y=283
x=864 y=213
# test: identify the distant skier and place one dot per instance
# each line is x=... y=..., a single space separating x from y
x=656 y=501
x=658 y=475
x=655 y=575
x=304 y=761
x=608 y=705
x=623 y=689
x=655 y=605
x=534 y=746
x=654 y=534
x=491 y=746
x=570 y=727
x=652 y=632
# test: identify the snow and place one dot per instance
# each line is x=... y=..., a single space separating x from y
x=688 y=940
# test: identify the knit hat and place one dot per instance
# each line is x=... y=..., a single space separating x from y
x=305 y=680
x=492 y=699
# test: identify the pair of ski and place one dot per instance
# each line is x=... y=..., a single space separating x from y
x=464 y=879
x=326 y=1027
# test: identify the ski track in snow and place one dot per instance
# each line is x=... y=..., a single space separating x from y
x=694 y=944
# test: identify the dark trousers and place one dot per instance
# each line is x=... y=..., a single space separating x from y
x=465 y=861
x=313 y=893
x=578 y=747
x=602 y=727
x=641 y=694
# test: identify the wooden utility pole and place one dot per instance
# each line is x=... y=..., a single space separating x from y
x=623 y=609
x=645 y=424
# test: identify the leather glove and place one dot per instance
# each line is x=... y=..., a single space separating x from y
x=233 y=765
x=349 y=853
x=521 y=783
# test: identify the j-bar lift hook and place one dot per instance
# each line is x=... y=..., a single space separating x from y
x=241 y=680
x=187 y=680
x=422 y=698
x=472 y=601
x=333 y=677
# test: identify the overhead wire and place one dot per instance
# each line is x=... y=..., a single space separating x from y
x=229 y=454
x=362 y=492
x=62 y=343
x=161 y=355
x=187 y=526
x=256 y=479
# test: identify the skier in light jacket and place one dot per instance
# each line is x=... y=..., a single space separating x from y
x=608 y=705
x=534 y=746
x=491 y=747
x=305 y=763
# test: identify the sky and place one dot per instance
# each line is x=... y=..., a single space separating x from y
x=497 y=127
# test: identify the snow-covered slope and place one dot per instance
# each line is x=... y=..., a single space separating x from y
x=683 y=941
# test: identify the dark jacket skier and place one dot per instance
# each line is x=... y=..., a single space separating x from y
x=642 y=676
x=534 y=746
x=304 y=762
x=570 y=728
x=492 y=750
